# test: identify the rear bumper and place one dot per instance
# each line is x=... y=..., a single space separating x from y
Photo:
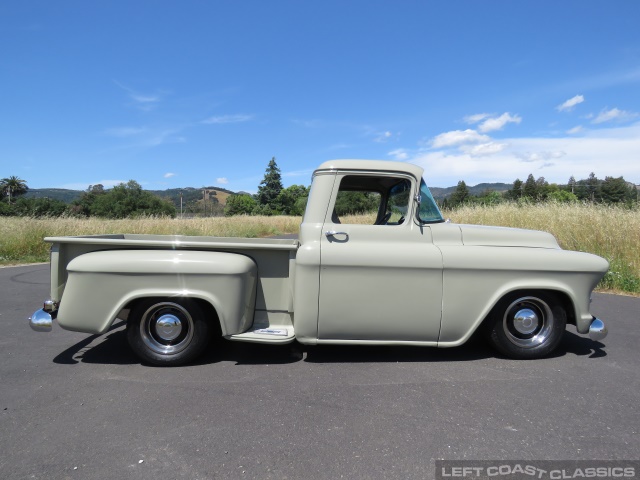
x=597 y=329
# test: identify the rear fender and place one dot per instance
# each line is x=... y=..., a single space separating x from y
x=101 y=284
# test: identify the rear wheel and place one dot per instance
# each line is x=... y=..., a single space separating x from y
x=524 y=326
x=167 y=331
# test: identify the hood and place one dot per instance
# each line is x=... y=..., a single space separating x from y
x=478 y=235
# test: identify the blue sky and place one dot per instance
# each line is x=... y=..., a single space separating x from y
x=195 y=93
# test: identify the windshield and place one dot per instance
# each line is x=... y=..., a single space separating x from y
x=429 y=212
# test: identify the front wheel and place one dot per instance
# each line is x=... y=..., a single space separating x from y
x=524 y=326
x=167 y=332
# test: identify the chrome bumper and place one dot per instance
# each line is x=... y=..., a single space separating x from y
x=597 y=329
x=41 y=321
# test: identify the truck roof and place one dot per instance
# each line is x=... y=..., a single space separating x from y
x=384 y=165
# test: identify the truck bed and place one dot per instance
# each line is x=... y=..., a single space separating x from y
x=178 y=241
x=275 y=259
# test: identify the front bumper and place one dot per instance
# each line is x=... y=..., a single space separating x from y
x=597 y=330
x=41 y=321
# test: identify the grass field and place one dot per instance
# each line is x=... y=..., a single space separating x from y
x=613 y=233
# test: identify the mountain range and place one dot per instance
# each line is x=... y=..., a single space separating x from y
x=219 y=195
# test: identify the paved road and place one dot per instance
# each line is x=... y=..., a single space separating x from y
x=79 y=406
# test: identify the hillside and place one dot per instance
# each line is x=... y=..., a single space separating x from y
x=62 y=194
x=219 y=195
x=441 y=193
x=189 y=194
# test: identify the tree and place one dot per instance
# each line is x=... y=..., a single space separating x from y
x=592 y=186
x=270 y=187
x=530 y=189
x=543 y=188
x=242 y=204
x=562 y=196
x=292 y=200
x=460 y=194
x=355 y=203
x=488 y=197
x=616 y=190
x=129 y=200
x=39 y=207
x=516 y=191
x=13 y=187
x=82 y=206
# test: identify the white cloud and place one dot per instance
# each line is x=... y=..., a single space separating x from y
x=569 y=104
x=483 y=149
x=574 y=130
x=382 y=137
x=169 y=175
x=614 y=114
x=498 y=123
x=222 y=180
x=478 y=117
x=538 y=156
x=142 y=101
x=458 y=137
x=399 y=154
x=609 y=151
x=222 y=119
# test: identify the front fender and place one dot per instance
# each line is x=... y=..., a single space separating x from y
x=101 y=284
x=476 y=278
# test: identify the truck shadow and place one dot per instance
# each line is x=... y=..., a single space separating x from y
x=112 y=349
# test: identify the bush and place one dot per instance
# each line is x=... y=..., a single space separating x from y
x=122 y=201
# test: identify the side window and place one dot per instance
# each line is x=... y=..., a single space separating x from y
x=372 y=200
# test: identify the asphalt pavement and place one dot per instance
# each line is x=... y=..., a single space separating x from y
x=83 y=407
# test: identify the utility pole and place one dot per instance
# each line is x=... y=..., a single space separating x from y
x=181 y=204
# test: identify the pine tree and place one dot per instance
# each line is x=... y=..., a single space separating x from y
x=592 y=186
x=530 y=189
x=516 y=191
x=460 y=194
x=271 y=186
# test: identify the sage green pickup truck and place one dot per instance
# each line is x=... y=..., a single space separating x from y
x=406 y=278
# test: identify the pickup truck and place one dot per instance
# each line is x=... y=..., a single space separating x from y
x=407 y=278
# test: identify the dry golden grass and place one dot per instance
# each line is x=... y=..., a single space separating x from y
x=613 y=233
x=21 y=238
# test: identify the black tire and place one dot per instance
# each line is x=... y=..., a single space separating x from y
x=168 y=332
x=527 y=325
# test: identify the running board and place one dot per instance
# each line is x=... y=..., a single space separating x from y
x=276 y=334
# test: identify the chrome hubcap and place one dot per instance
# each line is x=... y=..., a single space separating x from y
x=166 y=328
x=525 y=321
x=528 y=322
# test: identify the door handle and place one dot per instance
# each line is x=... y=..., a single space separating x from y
x=333 y=233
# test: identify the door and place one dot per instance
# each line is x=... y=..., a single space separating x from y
x=380 y=281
